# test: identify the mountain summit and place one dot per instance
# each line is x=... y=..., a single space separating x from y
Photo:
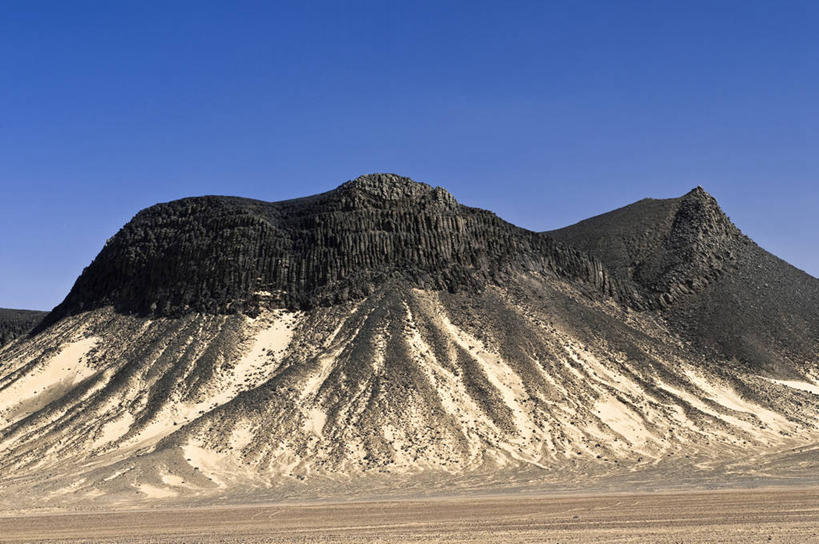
x=665 y=248
x=712 y=283
x=226 y=254
x=382 y=338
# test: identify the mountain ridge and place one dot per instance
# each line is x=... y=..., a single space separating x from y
x=322 y=249
x=219 y=254
x=412 y=343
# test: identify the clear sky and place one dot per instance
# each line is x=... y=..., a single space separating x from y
x=544 y=112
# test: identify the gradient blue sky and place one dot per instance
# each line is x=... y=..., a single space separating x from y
x=544 y=112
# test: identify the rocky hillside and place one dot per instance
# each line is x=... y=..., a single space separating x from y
x=383 y=339
x=712 y=283
x=14 y=323
x=216 y=254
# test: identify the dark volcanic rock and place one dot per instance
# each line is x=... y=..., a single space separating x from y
x=225 y=254
x=711 y=282
x=681 y=257
x=14 y=323
x=666 y=248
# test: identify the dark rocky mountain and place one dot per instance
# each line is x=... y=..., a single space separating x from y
x=14 y=323
x=214 y=253
x=680 y=256
x=382 y=338
x=709 y=280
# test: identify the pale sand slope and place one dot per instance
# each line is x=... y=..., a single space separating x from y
x=802 y=386
x=403 y=392
x=39 y=382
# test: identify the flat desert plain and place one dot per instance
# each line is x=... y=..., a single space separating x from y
x=781 y=515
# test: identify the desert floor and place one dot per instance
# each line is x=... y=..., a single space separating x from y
x=788 y=515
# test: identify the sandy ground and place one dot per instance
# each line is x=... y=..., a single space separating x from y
x=790 y=515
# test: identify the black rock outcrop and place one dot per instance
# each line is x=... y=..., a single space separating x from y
x=225 y=254
x=710 y=281
x=681 y=257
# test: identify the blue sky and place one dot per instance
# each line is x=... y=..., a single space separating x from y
x=544 y=112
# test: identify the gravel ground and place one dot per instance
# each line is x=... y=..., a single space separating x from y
x=790 y=515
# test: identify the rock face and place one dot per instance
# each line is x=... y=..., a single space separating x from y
x=664 y=248
x=14 y=323
x=217 y=254
x=382 y=338
x=712 y=283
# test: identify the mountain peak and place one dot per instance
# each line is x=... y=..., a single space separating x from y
x=698 y=191
x=392 y=187
x=700 y=199
x=669 y=247
x=699 y=214
x=698 y=194
x=384 y=181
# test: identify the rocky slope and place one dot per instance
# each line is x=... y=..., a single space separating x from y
x=382 y=338
x=215 y=254
x=14 y=323
x=712 y=283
